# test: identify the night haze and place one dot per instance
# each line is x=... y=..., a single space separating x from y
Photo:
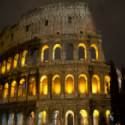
x=109 y=16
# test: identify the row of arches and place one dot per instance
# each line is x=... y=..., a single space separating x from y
x=69 y=49
x=20 y=59
x=13 y=62
x=22 y=87
x=56 y=118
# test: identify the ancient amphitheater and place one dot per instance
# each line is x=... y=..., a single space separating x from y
x=52 y=68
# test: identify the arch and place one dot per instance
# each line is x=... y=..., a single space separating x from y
x=45 y=53
x=107 y=114
x=42 y=118
x=69 y=84
x=3 y=68
x=1 y=90
x=44 y=85
x=95 y=117
x=56 y=85
x=13 y=89
x=56 y=119
x=22 y=88
x=24 y=57
x=82 y=53
x=4 y=119
x=31 y=119
x=32 y=86
x=69 y=51
x=94 y=52
x=9 y=63
x=16 y=61
x=83 y=117
x=107 y=84
x=69 y=118
x=11 y=118
x=57 y=52
x=6 y=90
x=95 y=84
x=83 y=84
x=20 y=118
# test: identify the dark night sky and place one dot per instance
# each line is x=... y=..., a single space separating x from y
x=109 y=16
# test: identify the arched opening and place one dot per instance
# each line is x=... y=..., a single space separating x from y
x=57 y=52
x=95 y=84
x=82 y=51
x=94 y=52
x=1 y=90
x=56 y=85
x=107 y=113
x=83 y=117
x=69 y=84
x=4 y=119
x=83 y=84
x=6 y=90
x=20 y=119
x=56 y=119
x=69 y=118
x=107 y=84
x=9 y=63
x=3 y=68
x=16 y=60
x=42 y=118
x=45 y=53
x=31 y=119
x=69 y=51
x=44 y=85
x=24 y=58
x=11 y=120
x=95 y=117
x=22 y=88
x=32 y=86
x=13 y=89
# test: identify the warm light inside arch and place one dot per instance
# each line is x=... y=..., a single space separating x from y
x=95 y=84
x=9 y=62
x=42 y=118
x=69 y=84
x=84 y=117
x=15 y=61
x=13 y=89
x=56 y=85
x=32 y=86
x=56 y=46
x=44 y=85
x=22 y=87
x=95 y=117
x=3 y=68
x=83 y=84
x=96 y=50
x=45 y=47
x=6 y=90
x=107 y=80
x=23 y=58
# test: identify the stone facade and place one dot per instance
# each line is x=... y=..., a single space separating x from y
x=49 y=41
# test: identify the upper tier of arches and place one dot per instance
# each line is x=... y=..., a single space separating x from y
x=48 y=53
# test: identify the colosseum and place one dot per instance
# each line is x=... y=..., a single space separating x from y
x=52 y=68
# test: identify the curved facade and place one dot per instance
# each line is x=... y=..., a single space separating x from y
x=53 y=70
